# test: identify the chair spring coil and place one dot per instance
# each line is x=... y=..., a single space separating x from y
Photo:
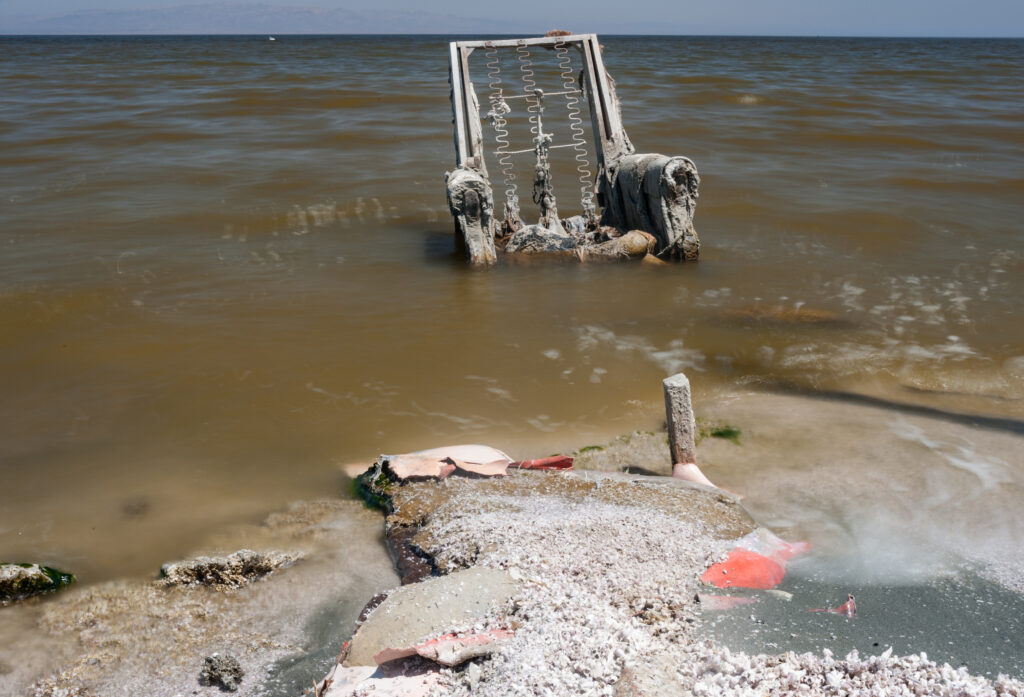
x=579 y=141
x=497 y=115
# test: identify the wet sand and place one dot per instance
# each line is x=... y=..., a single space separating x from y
x=139 y=636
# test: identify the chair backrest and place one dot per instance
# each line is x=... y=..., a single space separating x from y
x=576 y=82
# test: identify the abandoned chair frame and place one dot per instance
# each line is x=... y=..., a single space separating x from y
x=652 y=193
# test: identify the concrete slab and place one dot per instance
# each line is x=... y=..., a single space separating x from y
x=434 y=606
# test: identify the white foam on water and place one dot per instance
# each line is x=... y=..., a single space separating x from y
x=990 y=471
x=502 y=394
x=672 y=359
x=543 y=422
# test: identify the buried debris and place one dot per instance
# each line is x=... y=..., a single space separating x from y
x=404 y=640
x=411 y=677
x=630 y=205
x=847 y=609
x=450 y=649
x=435 y=607
x=234 y=570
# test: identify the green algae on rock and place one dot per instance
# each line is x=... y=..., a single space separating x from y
x=19 y=581
x=712 y=429
x=373 y=487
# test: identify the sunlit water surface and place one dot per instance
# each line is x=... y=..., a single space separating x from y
x=228 y=265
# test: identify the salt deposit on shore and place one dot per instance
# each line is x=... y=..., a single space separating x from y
x=610 y=566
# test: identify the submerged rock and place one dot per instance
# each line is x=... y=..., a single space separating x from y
x=635 y=243
x=780 y=314
x=224 y=671
x=538 y=239
x=234 y=570
x=19 y=581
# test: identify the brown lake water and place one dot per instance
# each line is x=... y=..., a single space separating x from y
x=228 y=265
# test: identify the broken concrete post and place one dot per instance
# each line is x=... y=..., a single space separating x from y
x=472 y=205
x=682 y=426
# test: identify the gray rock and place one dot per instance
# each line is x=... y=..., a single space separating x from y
x=18 y=581
x=537 y=239
x=224 y=671
x=234 y=570
x=427 y=608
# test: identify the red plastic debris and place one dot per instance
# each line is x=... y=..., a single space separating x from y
x=745 y=569
x=555 y=462
x=757 y=561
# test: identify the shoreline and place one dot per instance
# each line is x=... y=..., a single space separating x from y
x=604 y=605
x=290 y=605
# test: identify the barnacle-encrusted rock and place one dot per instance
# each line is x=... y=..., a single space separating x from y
x=234 y=570
x=19 y=581
x=224 y=671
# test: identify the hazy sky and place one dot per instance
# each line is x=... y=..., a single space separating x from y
x=828 y=17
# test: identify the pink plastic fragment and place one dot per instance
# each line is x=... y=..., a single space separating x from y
x=484 y=469
x=467 y=453
x=847 y=609
x=415 y=465
x=438 y=463
x=448 y=650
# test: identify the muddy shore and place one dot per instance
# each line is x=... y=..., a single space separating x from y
x=606 y=565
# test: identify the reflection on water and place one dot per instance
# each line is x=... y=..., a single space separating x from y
x=228 y=265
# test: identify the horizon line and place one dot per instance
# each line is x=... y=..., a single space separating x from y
x=477 y=34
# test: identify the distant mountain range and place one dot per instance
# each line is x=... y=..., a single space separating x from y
x=238 y=18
